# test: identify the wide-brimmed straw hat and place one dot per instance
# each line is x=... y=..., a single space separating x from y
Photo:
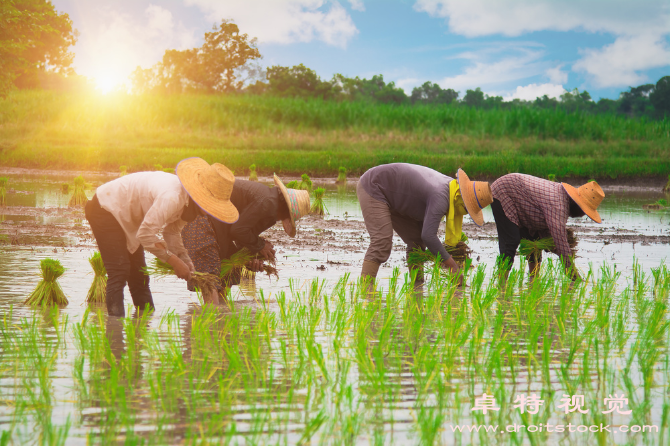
x=476 y=196
x=209 y=186
x=297 y=201
x=588 y=197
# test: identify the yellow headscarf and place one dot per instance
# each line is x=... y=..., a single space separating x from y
x=454 y=224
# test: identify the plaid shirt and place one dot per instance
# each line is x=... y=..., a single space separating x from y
x=537 y=205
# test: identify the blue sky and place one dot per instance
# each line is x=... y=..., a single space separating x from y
x=510 y=48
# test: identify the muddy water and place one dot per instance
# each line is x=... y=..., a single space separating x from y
x=40 y=225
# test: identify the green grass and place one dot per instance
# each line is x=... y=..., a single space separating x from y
x=346 y=366
x=282 y=135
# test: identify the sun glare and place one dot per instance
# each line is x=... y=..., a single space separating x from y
x=106 y=84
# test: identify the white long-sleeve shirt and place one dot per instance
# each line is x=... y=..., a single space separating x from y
x=146 y=204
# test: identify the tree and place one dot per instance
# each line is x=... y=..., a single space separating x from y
x=297 y=81
x=660 y=97
x=430 y=93
x=34 y=39
x=636 y=101
x=474 y=98
x=210 y=68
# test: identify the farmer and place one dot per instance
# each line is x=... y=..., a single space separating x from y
x=528 y=207
x=412 y=200
x=209 y=241
x=128 y=214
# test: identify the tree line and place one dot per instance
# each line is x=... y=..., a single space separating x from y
x=34 y=52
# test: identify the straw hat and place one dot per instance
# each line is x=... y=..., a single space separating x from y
x=209 y=186
x=476 y=196
x=298 y=203
x=588 y=197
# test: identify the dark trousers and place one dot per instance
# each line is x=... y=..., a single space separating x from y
x=509 y=234
x=122 y=266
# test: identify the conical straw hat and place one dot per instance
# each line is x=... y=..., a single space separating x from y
x=588 y=197
x=297 y=201
x=209 y=186
x=476 y=196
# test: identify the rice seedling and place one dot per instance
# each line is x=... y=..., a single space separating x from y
x=48 y=291
x=123 y=170
x=342 y=175
x=168 y=170
x=234 y=267
x=98 y=290
x=660 y=204
x=318 y=207
x=551 y=177
x=532 y=249
x=666 y=188
x=65 y=188
x=158 y=167
x=3 y=191
x=78 y=198
x=205 y=282
x=305 y=183
x=252 y=173
x=293 y=184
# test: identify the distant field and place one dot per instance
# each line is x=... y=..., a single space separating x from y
x=69 y=131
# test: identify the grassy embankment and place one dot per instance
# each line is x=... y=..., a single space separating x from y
x=68 y=131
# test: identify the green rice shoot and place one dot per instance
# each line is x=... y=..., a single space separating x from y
x=319 y=207
x=551 y=177
x=342 y=175
x=252 y=173
x=3 y=191
x=79 y=196
x=293 y=184
x=460 y=253
x=204 y=282
x=98 y=291
x=123 y=170
x=48 y=291
x=306 y=183
x=65 y=188
x=667 y=185
x=532 y=250
x=168 y=170
x=233 y=268
x=158 y=167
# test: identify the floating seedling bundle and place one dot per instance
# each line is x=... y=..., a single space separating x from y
x=3 y=191
x=205 y=282
x=293 y=184
x=318 y=207
x=252 y=173
x=234 y=267
x=342 y=175
x=532 y=249
x=79 y=196
x=48 y=291
x=306 y=183
x=98 y=291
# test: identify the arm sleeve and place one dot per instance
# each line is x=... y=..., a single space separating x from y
x=164 y=208
x=242 y=231
x=436 y=209
x=557 y=220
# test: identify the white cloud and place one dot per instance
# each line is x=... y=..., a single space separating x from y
x=112 y=46
x=514 y=17
x=532 y=91
x=556 y=75
x=484 y=72
x=285 y=21
x=619 y=64
x=357 y=5
x=408 y=84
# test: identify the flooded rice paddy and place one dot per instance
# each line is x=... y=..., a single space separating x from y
x=313 y=358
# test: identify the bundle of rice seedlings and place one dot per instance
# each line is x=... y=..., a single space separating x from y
x=293 y=184
x=98 y=291
x=123 y=170
x=461 y=252
x=168 y=170
x=48 y=291
x=234 y=267
x=533 y=249
x=205 y=282
x=3 y=191
x=342 y=175
x=318 y=207
x=79 y=196
x=158 y=167
x=65 y=188
x=551 y=177
x=252 y=173
x=306 y=183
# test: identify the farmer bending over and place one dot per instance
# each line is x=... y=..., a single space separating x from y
x=412 y=200
x=209 y=241
x=127 y=215
x=528 y=207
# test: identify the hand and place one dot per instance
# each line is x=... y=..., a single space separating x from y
x=255 y=265
x=268 y=251
x=454 y=269
x=180 y=268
